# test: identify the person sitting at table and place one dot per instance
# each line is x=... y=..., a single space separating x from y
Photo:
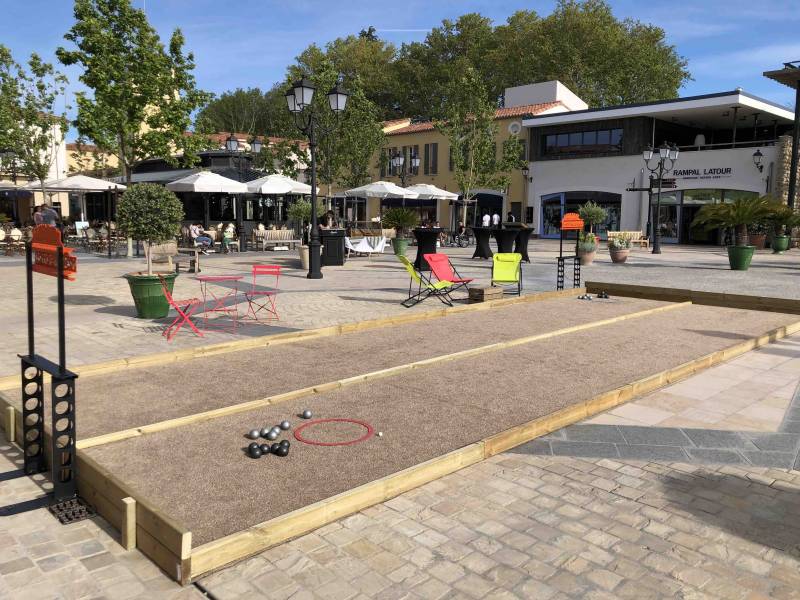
x=228 y=236
x=461 y=231
x=199 y=238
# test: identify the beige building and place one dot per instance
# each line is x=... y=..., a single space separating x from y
x=423 y=141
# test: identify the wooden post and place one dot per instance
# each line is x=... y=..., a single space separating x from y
x=11 y=422
x=128 y=530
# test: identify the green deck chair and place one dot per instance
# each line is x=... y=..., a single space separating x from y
x=507 y=270
x=425 y=287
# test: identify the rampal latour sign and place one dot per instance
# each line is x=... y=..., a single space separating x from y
x=712 y=173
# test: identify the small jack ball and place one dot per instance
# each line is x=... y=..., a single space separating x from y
x=272 y=435
x=253 y=435
x=306 y=414
x=255 y=452
x=285 y=425
x=380 y=434
x=274 y=448
x=265 y=449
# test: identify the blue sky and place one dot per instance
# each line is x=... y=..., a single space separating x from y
x=248 y=43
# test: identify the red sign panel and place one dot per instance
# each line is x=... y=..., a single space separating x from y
x=45 y=244
x=571 y=222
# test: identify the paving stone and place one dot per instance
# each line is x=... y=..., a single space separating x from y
x=655 y=436
x=710 y=455
x=708 y=438
x=782 y=460
x=589 y=449
x=650 y=453
x=775 y=442
x=593 y=433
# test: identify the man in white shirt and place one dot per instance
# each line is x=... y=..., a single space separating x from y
x=495 y=220
x=486 y=220
x=200 y=238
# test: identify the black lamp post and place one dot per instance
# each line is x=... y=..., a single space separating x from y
x=665 y=158
x=298 y=100
x=405 y=170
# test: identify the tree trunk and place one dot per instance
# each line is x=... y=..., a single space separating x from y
x=741 y=237
x=147 y=247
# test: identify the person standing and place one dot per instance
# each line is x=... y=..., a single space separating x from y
x=37 y=216
x=495 y=220
x=486 y=220
x=49 y=215
x=511 y=218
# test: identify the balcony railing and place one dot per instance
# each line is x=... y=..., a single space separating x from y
x=729 y=145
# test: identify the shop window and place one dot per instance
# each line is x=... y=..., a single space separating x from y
x=584 y=142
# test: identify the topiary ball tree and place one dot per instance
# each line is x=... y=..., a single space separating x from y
x=150 y=213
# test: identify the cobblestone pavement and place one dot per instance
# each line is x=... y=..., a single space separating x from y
x=41 y=559
x=101 y=326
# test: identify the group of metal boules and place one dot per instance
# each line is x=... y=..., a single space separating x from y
x=256 y=450
x=600 y=295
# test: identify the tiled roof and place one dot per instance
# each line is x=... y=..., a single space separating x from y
x=221 y=136
x=500 y=113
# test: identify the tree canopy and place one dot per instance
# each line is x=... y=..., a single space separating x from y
x=143 y=94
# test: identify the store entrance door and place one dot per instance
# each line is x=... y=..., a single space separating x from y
x=695 y=235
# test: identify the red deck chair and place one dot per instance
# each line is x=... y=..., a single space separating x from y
x=443 y=270
x=185 y=310
x=261 y=299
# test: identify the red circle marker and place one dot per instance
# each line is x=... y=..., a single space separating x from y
x=370 y=432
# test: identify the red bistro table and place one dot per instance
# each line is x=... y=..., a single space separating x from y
x=218 y=300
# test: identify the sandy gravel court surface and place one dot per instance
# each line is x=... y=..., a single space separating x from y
x=200 y=476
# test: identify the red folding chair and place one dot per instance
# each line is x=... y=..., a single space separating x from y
x=443 y=270
x=184 y=308
x=258 y=298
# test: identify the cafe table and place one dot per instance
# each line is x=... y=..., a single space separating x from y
x=521 y=242
x=219 y=299
x=426 y=244
x=482 y=249
x=505 y=239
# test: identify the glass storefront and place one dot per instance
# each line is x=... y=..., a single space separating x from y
x=554 y=206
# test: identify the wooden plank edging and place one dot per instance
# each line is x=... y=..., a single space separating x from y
x=238 y=546
x=8 y=382
x=225 y=411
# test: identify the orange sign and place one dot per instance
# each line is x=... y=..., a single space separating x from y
x=571 y=222
x=45 y=244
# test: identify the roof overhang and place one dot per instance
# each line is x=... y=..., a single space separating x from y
x=704 y=111
x=789 y=75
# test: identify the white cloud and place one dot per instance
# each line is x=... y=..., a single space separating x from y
x=746 y=60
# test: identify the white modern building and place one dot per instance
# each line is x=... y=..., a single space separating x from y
x=732 y=144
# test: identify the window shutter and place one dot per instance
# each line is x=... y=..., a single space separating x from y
x=415 y=171
x=434 y=158
x=450 y=158
x=426 y=159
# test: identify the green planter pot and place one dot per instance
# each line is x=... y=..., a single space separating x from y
x=400 y=245
x=740 y=256
x=148 y=295
x=780 y=244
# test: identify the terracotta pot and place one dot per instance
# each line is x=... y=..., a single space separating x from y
x=619 y=256
x=759 y=240
x=586 y=258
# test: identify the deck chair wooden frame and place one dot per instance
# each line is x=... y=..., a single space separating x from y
x=425 y=287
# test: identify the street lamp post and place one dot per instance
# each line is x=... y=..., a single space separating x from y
x=298 y=100
x=665 y=160
x=232 y=146
x=405 y=170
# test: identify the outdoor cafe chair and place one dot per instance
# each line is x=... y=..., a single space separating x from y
x=425 y=287
x=507 y=270
x=184 y=308
x=16 y=245
x=443 y=270
x=259 y=299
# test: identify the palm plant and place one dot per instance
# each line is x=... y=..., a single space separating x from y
x=783 y=218
x=738 y=215
x=400 y=219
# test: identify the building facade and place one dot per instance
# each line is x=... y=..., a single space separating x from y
x=731 y=145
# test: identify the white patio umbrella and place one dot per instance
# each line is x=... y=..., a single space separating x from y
x=75 y=183
x=278 y=184
x=207 y=182
x=381 y=189
x=427 y=191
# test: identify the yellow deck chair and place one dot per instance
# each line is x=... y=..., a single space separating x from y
x=507 y=270
x=425 y=287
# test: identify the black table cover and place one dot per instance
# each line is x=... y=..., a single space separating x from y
x=426 y=244
x=482 y=249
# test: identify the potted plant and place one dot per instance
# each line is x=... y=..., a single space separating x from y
x=300 y=212
x=401 y=220
x=152 y=214
x=758 y=234
x=587 y=247
x=783 y=219
x=738 y=215
x=619 y=247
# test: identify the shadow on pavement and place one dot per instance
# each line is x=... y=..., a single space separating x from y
x=85 y=300
x=719 y=334
x=743 y=507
